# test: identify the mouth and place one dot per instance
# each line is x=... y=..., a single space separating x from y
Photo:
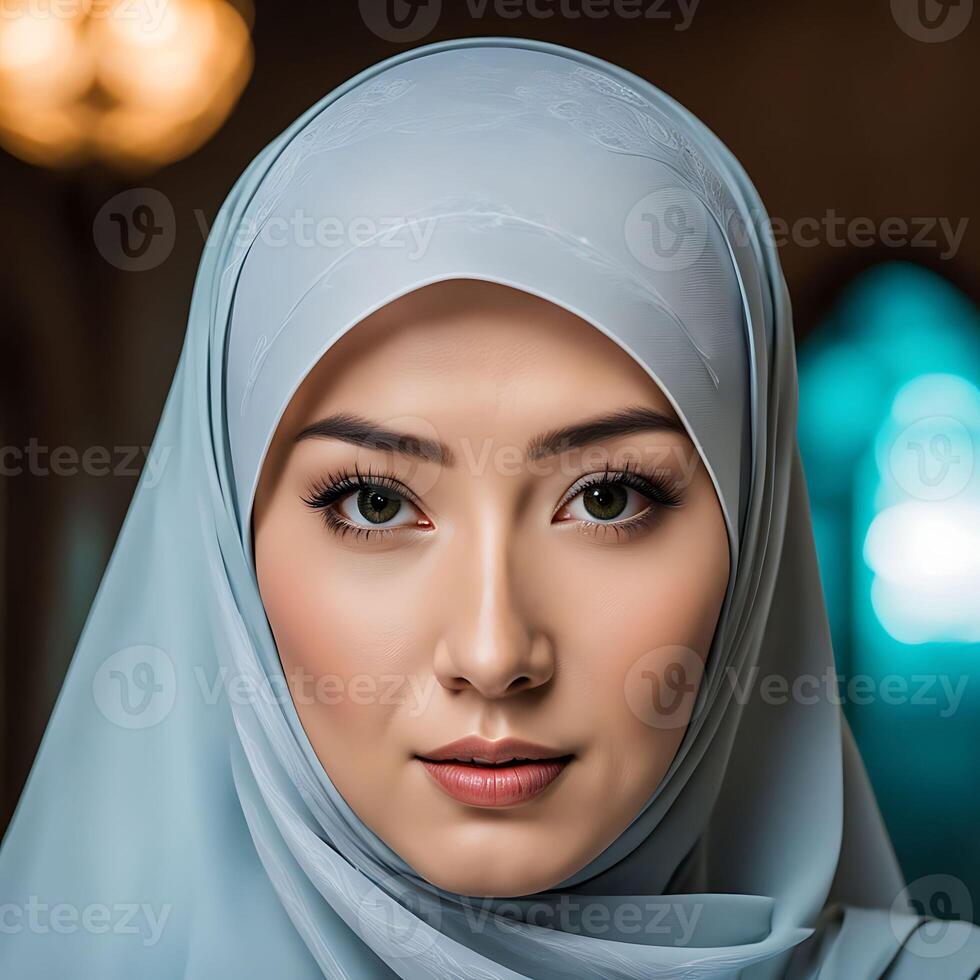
x=484 y=773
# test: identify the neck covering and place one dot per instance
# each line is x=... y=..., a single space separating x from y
x=161 y=788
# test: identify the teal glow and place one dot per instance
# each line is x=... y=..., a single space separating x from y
x=926 y=447
x=834 y=556
x=890 y=439
x=840 y=404
x=925 y=556
x=937 y=394
x=912 y=322
x=893 y=372
x=923 y=544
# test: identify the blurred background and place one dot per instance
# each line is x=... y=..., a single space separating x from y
x=123 y=124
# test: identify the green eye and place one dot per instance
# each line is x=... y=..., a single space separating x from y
x=605 y=501
x=365 y=504
x=617 y=498
x=376 y=506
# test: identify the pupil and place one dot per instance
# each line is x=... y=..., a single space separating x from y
x=606 y=501
x=376 y=506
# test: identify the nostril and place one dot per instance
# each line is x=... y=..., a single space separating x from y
x=492 y=668
x=518 y=684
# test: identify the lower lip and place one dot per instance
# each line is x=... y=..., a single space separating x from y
x=495 y=785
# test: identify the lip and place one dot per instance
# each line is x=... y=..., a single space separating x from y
x=504 y=772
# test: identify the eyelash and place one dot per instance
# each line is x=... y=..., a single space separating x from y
x=333 y=488
x=657 y=487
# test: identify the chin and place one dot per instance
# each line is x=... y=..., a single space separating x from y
x=500 y=870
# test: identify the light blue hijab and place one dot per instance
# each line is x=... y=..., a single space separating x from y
x=177 y=822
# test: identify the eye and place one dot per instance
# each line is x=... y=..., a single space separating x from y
x=607 y=502
x=378 y=507
x=626 y=500
x=365 y=504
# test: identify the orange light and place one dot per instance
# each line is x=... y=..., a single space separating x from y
x=138 y=84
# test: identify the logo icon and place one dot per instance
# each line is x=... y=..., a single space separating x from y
x=662 y=686
x=135 y=687
x=667 y=230
x=932 y=459
x=405 y=924
x=136 y=230
x=400 y=21
x=946 y=900
x=932 y=21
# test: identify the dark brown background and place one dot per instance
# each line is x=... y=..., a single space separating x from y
x=829 y=105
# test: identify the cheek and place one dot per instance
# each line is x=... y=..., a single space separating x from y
x=644 y=620
x=618 y=607
x=344 y=627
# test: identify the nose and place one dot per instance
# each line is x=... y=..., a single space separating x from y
x=488 y=645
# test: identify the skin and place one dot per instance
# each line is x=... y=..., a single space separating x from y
x=488 y=610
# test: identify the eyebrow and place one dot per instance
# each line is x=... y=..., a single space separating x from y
x=634 y=419
x=363 y=432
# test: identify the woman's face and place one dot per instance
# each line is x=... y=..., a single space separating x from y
x=480 y=519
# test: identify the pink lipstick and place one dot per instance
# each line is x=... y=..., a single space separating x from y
x=505 y=772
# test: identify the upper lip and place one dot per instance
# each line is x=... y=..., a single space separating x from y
x=474 y=748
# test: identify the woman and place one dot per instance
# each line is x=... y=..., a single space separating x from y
x=431 y=654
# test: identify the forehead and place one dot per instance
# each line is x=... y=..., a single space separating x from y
x=467 y=343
